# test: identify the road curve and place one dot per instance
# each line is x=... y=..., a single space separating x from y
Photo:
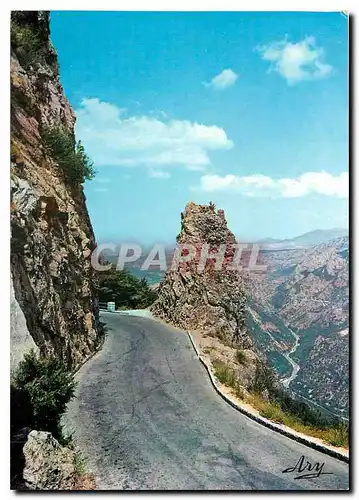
x=295 y=366
x=147 y=417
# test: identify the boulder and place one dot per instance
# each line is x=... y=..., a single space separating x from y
x=48 y=465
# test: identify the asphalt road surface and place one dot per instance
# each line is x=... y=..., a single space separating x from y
x=147 y=417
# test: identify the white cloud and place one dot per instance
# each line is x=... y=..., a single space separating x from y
x=316 y=182
x=102 y=180
x=101 y=190
x=225 y=79
x=321 y=183
x=296 y=62
x=113 y=138
x=158 y=174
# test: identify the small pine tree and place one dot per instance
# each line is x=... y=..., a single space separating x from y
x=70 y=156
x=126 y=290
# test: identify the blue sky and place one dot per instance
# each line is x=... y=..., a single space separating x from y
x=249 y=110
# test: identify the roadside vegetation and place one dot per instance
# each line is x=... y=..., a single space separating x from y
x=227 y=376
x=275 y=404
x=40 y=390
x=333 y=432
x=241 y=357
x=126 y=290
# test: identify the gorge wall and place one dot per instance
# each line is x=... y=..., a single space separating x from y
x=51 y=233
x=207 y=299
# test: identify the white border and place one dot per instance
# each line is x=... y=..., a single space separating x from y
x=183 y=5
x=186 y=5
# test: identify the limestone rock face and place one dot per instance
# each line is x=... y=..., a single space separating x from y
x=210 y=300
x=52 y=237
x=21 y=340
x=48 y=465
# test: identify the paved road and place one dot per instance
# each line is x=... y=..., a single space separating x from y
x=147 y=417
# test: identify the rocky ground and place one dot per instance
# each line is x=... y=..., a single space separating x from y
x=47 y=465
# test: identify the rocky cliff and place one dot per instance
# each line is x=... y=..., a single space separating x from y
x=51 y=233
x=207 y=298
x=211 y=300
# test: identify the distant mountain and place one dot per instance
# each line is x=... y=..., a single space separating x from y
x=311 y=238
x=319 y=236
x=271 y=240
x=306 y=291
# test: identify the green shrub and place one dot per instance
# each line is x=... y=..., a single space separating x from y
x=69 y=155
x=48 y=386
x=241 y=357
x=263 y=379
x=126 y=290
x=79 y=463
x=27 y=45
x=298 y=409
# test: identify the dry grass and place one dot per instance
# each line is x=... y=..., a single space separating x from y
x=85 y=482
x=14 y=149
x=227 y=376
x=221 y=335
x=224 y=373
x=207 y=349
x=335 y=436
